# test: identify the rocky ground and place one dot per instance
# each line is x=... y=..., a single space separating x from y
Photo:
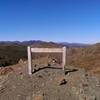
x=49 y=82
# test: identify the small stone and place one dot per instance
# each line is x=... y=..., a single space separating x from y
x=14 y=87
x=63 y=82
x=86 y=75
x=60 y=80
x=40 y=76
x=18 y=95
x=21 y=61
x=85 y=85
x=98 y=84
x=49 y=64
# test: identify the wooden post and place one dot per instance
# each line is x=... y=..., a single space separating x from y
x=50 y=50
x=29 y=60
x=64 y=58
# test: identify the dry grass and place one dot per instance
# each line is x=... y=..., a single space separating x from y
x=88 y=58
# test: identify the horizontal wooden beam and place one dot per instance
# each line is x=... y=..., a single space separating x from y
x=47 y=50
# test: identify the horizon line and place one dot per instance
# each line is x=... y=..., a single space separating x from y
x=47 y=41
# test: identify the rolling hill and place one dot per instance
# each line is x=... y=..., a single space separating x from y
x=87 y=57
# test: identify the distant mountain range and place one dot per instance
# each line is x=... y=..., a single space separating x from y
x=73 y=44
x=33 y=42
x=19 y=43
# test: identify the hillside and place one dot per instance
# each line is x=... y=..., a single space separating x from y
x=34 y=42
x=79 y=81
x=12 y=52
x=84 y=57
x=88 y=57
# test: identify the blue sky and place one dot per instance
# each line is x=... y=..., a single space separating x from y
x=50 y=20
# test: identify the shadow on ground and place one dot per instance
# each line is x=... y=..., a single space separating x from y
x=66 y=71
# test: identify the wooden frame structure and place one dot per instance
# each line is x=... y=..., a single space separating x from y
x=45 y=50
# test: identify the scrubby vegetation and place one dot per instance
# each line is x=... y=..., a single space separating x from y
x=85 y=57
x=11 y=54
x=88 y=57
